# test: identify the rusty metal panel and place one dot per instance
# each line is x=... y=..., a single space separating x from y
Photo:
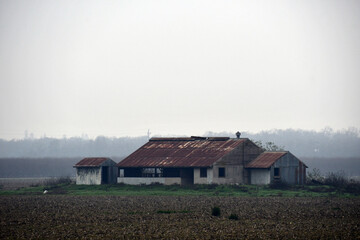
x=265 y=160
x=181 y=152
x=91 y=162
x=300 y=173
x=304 y=173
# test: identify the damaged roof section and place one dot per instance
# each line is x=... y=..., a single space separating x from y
x=91 y=162
x=266 y=159
x=181 y=152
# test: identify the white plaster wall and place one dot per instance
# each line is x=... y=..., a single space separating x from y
x=88 y=176
x=144 y=180
x=260 y=176
x=171 y=181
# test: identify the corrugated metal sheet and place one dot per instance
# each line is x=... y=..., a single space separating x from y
x=91 y=162
x=180 y=152
x=265 y=160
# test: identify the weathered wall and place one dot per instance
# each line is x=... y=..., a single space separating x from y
x=252 y=151
x=88 y=175
x=292 y=171
x=199 y=180
x=148 y=180
x=260 y=176
x=289 y=169
x=111 y=172
x=234 y=163
x=301 y=173
x=233 y=174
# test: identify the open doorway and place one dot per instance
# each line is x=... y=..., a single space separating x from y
x=104 y=175
x=187 y=176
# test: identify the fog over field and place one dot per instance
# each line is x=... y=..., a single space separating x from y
x=119 y=68
x=97 y=78
x=326 y=143
x=327 y=150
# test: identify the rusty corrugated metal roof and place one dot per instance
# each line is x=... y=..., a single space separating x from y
x=91 y=162
x=266 y=159
x=181 y=152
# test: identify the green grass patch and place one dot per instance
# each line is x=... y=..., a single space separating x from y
x=176 y=190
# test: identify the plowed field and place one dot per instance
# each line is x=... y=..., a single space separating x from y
x=154 y=217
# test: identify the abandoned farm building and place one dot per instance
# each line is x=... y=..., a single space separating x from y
x=95 y=171
x=273 y=166
x=201 y=160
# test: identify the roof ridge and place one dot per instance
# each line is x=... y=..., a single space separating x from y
x=192 y=138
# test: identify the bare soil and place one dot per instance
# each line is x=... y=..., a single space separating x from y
x=168 y=217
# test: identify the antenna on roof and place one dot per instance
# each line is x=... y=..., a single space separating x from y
x=148 y=134
x=238 y=134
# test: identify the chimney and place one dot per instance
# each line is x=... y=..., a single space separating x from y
x=238 y=134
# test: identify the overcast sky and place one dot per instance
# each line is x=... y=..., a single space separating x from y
x=119 y=68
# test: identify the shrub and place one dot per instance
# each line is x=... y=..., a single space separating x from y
x=233 y=217
x=337 y=179
x=314 y=177
x=353 y=187
x=215 y=211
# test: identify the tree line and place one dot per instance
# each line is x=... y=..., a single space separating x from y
x=302 y=143
x=307 y=143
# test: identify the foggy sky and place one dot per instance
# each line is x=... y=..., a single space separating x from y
x=119 y=68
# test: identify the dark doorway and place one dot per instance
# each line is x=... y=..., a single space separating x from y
x=104 y=175
x=276 y=172
x=187 y=176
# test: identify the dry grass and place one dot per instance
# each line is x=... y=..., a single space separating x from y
x=17 y=183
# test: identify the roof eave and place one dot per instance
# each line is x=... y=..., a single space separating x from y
x=85 y=166
x=205 y=166
x=258 y=167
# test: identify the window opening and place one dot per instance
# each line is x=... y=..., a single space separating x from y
x=221 y=172
x=203 y=172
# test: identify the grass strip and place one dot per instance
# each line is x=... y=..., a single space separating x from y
x=176 y=190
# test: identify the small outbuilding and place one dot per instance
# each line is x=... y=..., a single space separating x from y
x=96 y=171
x=271 y=167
